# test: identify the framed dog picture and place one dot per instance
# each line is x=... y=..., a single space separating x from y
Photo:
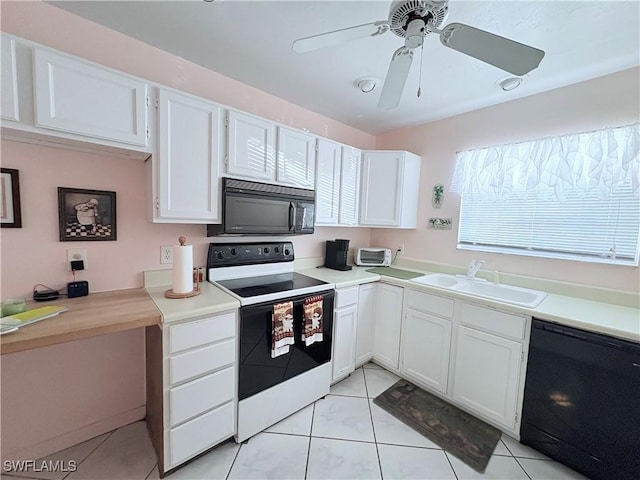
x=10 y=213
x=86 y=215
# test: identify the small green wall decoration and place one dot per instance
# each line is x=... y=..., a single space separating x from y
x=438 y=196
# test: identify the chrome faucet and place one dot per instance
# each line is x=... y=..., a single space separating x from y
x=473 y=268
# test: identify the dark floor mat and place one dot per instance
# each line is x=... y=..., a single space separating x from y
x=466 y=437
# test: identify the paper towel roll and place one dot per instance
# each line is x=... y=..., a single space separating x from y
x=182 y=268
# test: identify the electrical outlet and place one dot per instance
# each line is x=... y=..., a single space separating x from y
x=166 y=254
x=400 y=248
x=74 y=254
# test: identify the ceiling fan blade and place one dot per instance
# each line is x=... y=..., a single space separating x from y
x=396 y=78
x=513 y=57
x=330 y=39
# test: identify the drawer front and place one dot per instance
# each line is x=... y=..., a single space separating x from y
x=201 y=433
x=195 y=397
x=346 y=296
x=201 y=332
x=489 y=320
x=206 y=359
x=428 y=303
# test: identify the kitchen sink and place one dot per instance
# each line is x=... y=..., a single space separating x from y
x=481 y=288
x=438 y=280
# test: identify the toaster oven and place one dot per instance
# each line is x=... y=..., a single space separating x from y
x=374 y=257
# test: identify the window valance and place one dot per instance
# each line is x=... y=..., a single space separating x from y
x=593 y=162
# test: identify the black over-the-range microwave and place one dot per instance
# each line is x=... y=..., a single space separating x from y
x=252 y=208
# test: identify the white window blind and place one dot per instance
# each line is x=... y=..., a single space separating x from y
x=586 y=209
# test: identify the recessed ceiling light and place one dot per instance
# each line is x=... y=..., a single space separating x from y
x=510 y=83
x=366 y=84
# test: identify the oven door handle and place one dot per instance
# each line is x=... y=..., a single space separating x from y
x=292 y=215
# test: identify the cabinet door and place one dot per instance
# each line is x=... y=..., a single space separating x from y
x=87 y=99
x=426 y=342
x=388 y=320
x=296 y=158
x=327 y=183
x=349 y=186
x=381 y=188
x=250 y=151
x=365 y=324
x=344 y=338
x=9 y=80
x=189 y=152
x=486 y=374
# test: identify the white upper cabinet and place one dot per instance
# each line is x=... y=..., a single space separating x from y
x=9 y=90
x=296 y=158
x=86 y=99
x=337 y=184
x=349 y=186
x=389 y=189
x=328 y=182
x=250 y=147
x=188 y=160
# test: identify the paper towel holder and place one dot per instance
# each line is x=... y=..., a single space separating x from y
x=196 y=283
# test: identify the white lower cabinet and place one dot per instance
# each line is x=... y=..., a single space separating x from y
x=344 y=333
x=365 y=323
x=489 y=367
x=387 y=325
x=426 y=341
x=472 y=355
x=191 y=386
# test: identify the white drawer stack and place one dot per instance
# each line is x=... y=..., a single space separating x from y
x=199 y=386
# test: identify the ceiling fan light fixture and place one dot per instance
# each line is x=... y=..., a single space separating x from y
x=366 y=84
x=509 y=83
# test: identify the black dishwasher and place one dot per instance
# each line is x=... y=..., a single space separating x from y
x=582 y=400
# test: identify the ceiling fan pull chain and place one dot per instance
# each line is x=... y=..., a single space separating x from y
x=420 y=79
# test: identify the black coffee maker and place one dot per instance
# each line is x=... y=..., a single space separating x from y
x=336 y=255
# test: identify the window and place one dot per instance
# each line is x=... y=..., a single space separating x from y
x=573 y=197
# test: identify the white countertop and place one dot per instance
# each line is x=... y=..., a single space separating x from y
x=618 y=321
x=349 y=278
x=211 y=300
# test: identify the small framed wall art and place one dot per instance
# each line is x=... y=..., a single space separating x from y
x=10 y=211
x=86 y=215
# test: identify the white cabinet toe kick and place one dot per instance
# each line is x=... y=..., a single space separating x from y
x=263 y=409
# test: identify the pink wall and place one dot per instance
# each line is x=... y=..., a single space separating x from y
x=607 y=101
x=33 y=254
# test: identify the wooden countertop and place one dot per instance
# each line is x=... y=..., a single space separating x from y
x=96 y=314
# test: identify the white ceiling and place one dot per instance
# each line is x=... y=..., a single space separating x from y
x=250 y=41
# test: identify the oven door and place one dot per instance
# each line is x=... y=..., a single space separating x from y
x=258 y=371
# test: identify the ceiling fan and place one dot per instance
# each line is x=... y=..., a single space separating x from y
x=413 y=20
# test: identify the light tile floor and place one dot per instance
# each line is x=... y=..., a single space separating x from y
x=343 y=436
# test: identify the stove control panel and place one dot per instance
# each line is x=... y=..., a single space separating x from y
x=232 y=254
